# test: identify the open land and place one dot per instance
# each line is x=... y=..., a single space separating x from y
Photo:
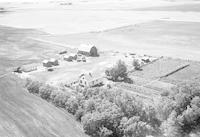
x=127 y=29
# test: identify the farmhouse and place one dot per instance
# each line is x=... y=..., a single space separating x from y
x=88 y=80
x=85 y=80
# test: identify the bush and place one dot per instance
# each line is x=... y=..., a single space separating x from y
x=59 y=98
x=136 y=64
x=183 y=108
x=134 y=127
x=79 y=114
x=90 y=105
x=104 y=132
x=72 y=105
x=45 y=91
x=33 y=86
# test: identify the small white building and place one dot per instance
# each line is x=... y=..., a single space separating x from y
x=50 y=63
x=46 y=63
x=54 y=62
x=70 y=57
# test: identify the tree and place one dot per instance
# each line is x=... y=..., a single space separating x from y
x=118 y=72
x=79 y=114
x=107 y=115
x=171 y=127
x=72 y=105
x=134 y=127
x=94 y=52
x=59 y=98
x=90 y=105
x=185 y=110
x=136 y=64
x=33 y=86
x=104 y=132
x=45 y=91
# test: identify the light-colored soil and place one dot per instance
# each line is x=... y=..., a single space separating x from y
x=160 y=38
x=69 y=71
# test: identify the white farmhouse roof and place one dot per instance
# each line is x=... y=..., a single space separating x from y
x=85 y=47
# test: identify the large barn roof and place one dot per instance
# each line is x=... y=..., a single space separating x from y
x=85 y=47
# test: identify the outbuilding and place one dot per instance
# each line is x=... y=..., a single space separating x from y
x=54 y=62
x=94 y=52
x=84 y=49
x=28 y=67
x=70 y=57
x=46 y=63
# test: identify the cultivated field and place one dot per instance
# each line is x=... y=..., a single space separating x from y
x=158 y=38
x=31 y=33
x=25 y=115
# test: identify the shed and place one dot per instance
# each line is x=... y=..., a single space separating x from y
x=63 y=52
x=28 y=68
x=54 y=62
x=70 y=57
x=46 y=63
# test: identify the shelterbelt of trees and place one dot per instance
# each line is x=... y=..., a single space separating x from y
x=111 y=113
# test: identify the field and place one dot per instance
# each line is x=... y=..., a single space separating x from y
x=25 y=115
x=158 y=38
x=30 y=33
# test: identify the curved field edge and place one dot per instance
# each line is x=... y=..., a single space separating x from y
x=25 y=115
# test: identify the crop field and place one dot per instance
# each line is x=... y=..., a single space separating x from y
x=23 y=114
x=190 y=73
x=159 y=68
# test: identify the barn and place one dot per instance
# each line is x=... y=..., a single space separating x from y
x=94 y=52
x=84 y=49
